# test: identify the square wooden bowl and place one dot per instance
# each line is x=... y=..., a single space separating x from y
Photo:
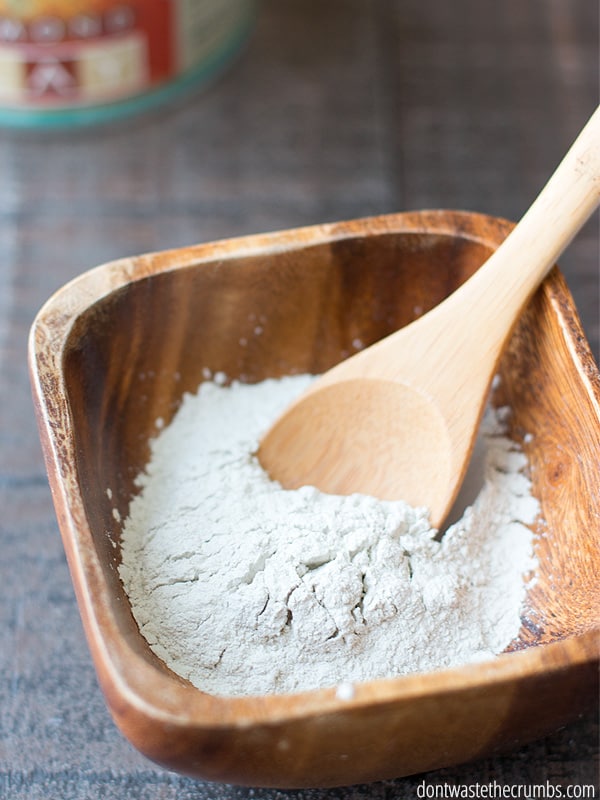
x=115 y=350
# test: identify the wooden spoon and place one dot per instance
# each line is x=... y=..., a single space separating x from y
x=398 y=420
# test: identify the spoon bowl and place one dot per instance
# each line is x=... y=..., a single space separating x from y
x=113 y=353
x=408 y=432
x=377 y=415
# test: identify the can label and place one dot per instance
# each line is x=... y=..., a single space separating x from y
x=69 y=53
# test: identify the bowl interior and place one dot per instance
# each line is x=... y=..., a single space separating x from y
x=133 y=353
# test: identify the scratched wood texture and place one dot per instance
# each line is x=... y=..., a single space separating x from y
x=336 y=110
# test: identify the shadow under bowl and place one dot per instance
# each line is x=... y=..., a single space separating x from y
x=115 y=350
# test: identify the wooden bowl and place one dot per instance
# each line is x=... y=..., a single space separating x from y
x=115 y=349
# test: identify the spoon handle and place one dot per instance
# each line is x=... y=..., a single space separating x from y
x=461 y=339
x=510 y=276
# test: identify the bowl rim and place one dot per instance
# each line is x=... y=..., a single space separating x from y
x=126 y=677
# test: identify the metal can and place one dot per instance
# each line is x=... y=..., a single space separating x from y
x=74 y=62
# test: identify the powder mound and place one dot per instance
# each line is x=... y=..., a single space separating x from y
x=243 y=587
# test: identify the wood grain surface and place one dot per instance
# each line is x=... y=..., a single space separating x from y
x=336 y=110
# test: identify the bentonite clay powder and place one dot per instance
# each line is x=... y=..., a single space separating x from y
x=245 y=588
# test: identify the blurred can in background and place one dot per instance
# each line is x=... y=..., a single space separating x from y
x=75 y=62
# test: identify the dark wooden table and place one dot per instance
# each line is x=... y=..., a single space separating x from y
x=337 y=109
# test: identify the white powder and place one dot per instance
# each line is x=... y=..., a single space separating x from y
x=245 y=588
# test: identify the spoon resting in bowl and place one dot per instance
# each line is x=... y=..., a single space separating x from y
x=398 y=420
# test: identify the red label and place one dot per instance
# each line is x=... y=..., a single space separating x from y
x=103 y=51
x=156 y=20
